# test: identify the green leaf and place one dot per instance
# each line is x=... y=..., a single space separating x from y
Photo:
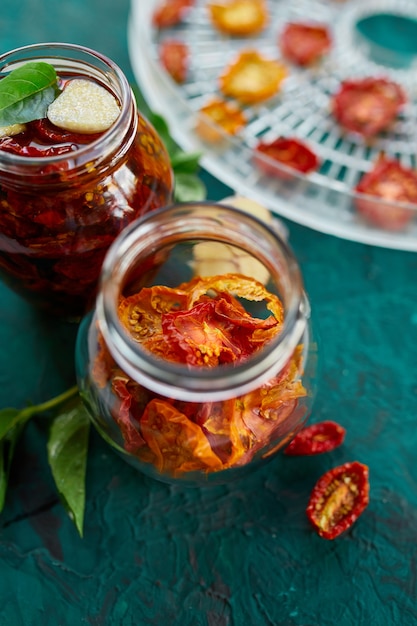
x=185 y=162
x=67 y=455
x=7 y=448
x=189 y=188
x=162 y=128
x=26 y=93
x=8 y=418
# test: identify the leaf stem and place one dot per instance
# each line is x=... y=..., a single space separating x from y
x=50 y=404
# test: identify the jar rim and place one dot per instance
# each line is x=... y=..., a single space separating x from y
x=180 y=380
x=110 y=135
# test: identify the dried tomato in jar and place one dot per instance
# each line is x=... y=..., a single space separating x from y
x=73 y=176
x=197 y=379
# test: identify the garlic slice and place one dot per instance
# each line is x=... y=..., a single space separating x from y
x=84 y=107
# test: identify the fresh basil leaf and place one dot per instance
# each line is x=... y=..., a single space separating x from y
x=189 y=188
x=185 y=162
x=26 y=93
x=67 y=455
x=7 y=448
x=161 y=126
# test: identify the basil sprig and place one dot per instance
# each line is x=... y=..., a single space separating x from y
x=188 y=186
x=185 y=165
x=67 y=447
x=27 y=92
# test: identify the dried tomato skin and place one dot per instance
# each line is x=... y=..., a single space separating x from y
x=304 y=43
x=329 y=518
x=224 y=114
x=367 y=106
x=239 y=17
x=392 y=182
x=316 y=439
x=174 y=57
x=171 y=12
x=266 y=76
x=286 y=151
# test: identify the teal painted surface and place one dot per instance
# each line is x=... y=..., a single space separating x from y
x=241 y=555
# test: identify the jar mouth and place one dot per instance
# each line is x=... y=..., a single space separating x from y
x=88 y=62
x=202 y=221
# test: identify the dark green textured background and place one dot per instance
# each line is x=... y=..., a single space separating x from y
x=241 y=555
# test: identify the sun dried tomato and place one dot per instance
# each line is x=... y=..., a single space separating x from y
x=304 y=43
x=171 y=12
x=226 y=115
x=213 y=332
x=338 y=499
x=252 y=77
x=133 y=440
x=173 y=55
x=46 y=132
x=202 y=322
x=179 y=445
x=393 y=183
x=239 y=17
x=290 y=152
x=367 y=106
x=316 y=439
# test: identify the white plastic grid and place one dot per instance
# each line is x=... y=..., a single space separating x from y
x=323 y=199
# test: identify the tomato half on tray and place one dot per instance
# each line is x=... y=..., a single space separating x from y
x=305 y=43
x=367 y=106
x=287 y=151
x=392 y=183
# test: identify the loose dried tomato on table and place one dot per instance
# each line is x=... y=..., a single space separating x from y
x=393 y=183
x=239 y=17
x=316 y=439
x=304 y=43
x=201 y=323
x=252 y=77
x=367 y=106
x=339 y=497
x=287 y=151
x=174 y=57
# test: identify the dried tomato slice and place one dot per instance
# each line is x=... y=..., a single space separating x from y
x=369 y=105
x=225 y=114
x=239 y=17
x=288 y=151
x=46 y=132
x=316 y=439
x=133 y=440
x=304 y=43
x=10 y=144
x=171 y=12
x=213 y=332
x=173 y=55
x=392 y=182
x=338 y=499
x=252 y=77
x=179 y=445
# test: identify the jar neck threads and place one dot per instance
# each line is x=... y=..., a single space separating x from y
x=89 y=159
x=150 y=242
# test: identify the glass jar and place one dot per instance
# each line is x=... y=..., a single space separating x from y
x=60 y=213
x=197 y=388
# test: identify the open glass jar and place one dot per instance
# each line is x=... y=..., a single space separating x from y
x=198 y=362
x=64 y=201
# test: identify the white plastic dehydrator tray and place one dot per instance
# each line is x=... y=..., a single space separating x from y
x=322 y=200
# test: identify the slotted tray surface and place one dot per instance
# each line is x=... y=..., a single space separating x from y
x=323 y=200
